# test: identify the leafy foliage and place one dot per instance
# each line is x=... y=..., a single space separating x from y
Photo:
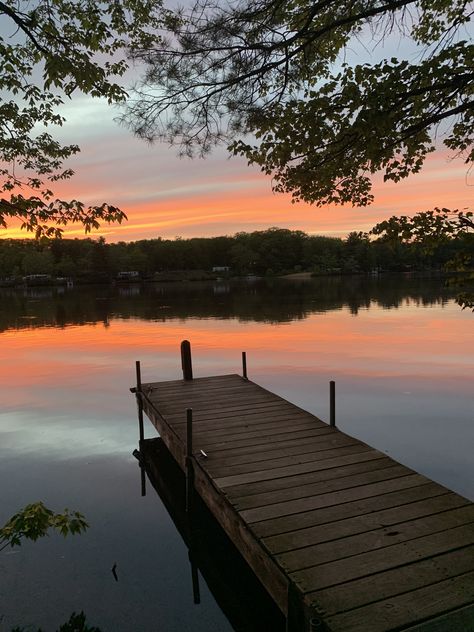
x=50 y=52
x=428 y=228
x=431 y=231
x=393 y=246
x=35 y=520
x=76 y=623
x=277 y=70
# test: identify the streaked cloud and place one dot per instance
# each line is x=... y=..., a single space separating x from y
x=166 y=196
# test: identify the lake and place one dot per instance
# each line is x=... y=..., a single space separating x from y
x=399 y=349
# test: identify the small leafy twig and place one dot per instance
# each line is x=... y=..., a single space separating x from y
x=35 y=520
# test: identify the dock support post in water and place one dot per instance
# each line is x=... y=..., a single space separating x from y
x=189 y=456
x=295 y=617
x=244 y=365
x=186 y=361
x=194 y=578
x=138 y=395
x=332 y=403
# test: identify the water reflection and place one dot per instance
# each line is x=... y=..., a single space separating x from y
x=240 y=595
x=270 y=301
x=400 y=352
x=42 y=583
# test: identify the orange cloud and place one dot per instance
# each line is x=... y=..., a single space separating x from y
x=165 y=196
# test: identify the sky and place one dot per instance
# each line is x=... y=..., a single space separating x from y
x=167 y=196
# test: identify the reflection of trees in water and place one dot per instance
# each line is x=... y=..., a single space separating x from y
x=263 y=300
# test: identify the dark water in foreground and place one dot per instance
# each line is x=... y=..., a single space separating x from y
x=401 y=353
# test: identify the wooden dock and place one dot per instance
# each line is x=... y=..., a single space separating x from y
x=343 y=537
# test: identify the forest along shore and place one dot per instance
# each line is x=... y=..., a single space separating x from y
x=272 y=252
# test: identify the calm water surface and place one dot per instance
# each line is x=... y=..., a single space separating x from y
x=401 y=352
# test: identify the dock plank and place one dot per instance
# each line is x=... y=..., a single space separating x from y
x=334 y=529
x=344 y=570
x=350 y=509
x=322 y=445
x=416 y=605
x=312 y=489
x=261 y=438
x=363 y=462
x=345 y=530
x=375 y=588
x=320 y=500
x=375 y=539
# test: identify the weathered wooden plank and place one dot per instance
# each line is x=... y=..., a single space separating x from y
x=364 y=462
x=333 y=498
x=197 y=382
x=361 y=523
x=461 y=619
x=205 y=394
x=281 y=432
x=217 y=411
x=212 y=405
x=321 y=487
x=350 y=595
x=191 y=387
x=217 y=462
x=246 y=425
x=302 y=443
x=344 y=570
x=330 y=458
x=412 y=607
x=375 y=539
x=221 y=399
x=334 y=513
x=322 y=446
x=272 y=429
x=269 y=410
x=229 y=388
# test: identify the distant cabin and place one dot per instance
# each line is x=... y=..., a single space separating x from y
x=221 y=269
x=129 y=275
x=37 y=279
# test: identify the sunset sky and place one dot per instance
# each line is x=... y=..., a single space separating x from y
x=166 y=196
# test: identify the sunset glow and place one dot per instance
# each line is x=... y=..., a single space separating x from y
x=361 y=347
x=165 y=196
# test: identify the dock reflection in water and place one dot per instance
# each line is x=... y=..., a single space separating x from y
x=242 y=598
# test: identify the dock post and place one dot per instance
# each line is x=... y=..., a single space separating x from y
x=295 y=617
x=186 y=361
x=189 y=463
x=244 y=365
x=138 y=394
x=332 y=403
x=194 y=579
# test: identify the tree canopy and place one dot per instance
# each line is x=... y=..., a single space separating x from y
x=431 y=232
x=275 y=81
x=51 y=51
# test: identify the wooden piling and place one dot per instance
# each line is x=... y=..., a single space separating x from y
x=194 y=579
x=189 y=463
x=244 y=365
x=332 y=403
x=138 y=395
x=186 y=360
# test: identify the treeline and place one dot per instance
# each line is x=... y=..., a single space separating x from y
x=269 y=252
